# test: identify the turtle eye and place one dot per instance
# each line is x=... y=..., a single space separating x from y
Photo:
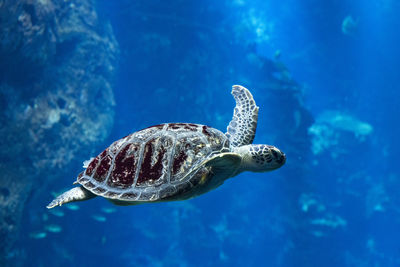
x=274 y=153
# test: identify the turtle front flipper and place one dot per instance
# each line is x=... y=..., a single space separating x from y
x=242 y=128
x=224 y=164
x=74 y=194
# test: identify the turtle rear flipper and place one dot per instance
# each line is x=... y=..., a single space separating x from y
x=242 y=128
x=74 y=194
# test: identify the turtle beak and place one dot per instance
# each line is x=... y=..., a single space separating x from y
x=278 y=155
x=283 y=158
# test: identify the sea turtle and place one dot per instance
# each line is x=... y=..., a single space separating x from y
x=176 y=161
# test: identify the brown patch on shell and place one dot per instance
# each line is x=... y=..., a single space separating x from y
x=151 y=172
x=111 y=194
x=129 y=195
x=182 y=126
x=102 y=169
x=92 y=166
x=178 y=161
x=123 y=173
x=99 y=190
x=205 y=131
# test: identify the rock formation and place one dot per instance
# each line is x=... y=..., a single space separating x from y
x=57 y=62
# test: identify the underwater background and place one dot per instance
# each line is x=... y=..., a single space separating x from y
x=77 y=75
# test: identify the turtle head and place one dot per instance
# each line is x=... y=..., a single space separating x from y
x=260 y=158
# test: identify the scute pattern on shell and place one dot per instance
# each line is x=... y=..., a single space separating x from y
x=153 y=163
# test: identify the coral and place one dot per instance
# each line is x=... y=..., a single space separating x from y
x=330 y=126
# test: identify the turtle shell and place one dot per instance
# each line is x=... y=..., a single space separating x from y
x=155 y=163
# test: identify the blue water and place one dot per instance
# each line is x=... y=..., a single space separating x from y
x=334 y=203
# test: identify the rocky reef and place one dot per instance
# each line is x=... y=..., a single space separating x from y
x=57 y=63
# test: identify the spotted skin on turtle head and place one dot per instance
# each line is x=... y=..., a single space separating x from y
x=267 y=155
